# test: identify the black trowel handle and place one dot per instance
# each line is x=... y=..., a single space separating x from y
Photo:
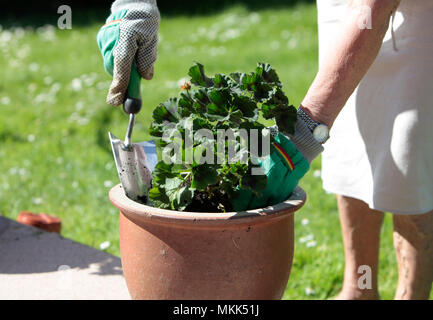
x=132 y=105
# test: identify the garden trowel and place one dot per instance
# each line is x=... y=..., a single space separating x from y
x=134 y=161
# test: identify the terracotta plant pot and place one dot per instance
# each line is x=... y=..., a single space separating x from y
x=186 y=255
x=40 y=220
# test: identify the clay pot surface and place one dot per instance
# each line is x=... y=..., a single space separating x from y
x=40 y=220
x=186 y=255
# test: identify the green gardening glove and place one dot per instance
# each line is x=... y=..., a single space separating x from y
x=128 y=43
x=283 y=168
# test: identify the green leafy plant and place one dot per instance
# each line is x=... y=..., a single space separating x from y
x=236 y=101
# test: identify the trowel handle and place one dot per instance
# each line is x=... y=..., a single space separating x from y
x=132 y=104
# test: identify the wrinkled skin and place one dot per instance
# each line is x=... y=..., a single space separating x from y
x=413 y=242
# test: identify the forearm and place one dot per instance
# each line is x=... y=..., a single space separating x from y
x=348 y=60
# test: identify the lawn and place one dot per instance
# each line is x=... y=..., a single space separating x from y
x=55 y=155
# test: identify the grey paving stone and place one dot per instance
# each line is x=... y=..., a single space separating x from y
x=35 y=264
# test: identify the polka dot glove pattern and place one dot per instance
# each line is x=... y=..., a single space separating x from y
x=128 y=43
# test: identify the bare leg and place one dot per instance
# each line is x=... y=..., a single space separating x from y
x=413 y=242
x=361 y=236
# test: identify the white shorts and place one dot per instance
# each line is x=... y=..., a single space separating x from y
x=381 y=145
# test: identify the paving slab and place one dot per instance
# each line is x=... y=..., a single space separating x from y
x=35 y=264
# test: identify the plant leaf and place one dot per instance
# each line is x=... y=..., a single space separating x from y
x=268 y=73
x=256 y=183
x=158 y=198
x=204 y=175
x=198 y=77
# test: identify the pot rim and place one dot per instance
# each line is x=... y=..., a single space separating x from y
x=137 y=210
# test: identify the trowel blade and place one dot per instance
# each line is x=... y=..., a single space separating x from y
x=134 y=166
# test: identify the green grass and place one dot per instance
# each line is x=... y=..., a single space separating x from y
x=55 y=155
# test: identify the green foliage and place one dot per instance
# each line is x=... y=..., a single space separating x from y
x=233 y=102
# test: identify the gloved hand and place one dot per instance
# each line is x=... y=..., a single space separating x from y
x=128 y=43
x=284 y=167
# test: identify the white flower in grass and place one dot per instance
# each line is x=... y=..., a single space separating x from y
x=19 y=32
x=31 y=138
x=37 y=201
x=231 y=19
x=33 y=67
x=108 y=183
x=47 y=33
x=5 y=101
x=309 y=291
x=311 y=244
x=14 y=63
x=317 y=173
x=285 y=34
x=48 y=80
x=32 y=87
x=75 y=184
x=104 y=245
x=292 y=43
x=306 y=238
x=89 y=79
x=230 y=34
x=83 y=121
x=23 y=52
x=254 y=17
x=304 y=222
x=76 y=85
x=102 y=85
x=217 y=51
x=201 y=31
x=13 y=170
x=55 y=88
x=42 y=97
x=5 y=36
x=79 y=105
x=212 y=34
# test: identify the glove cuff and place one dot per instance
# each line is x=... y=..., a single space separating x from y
x=119 y=5
x=304 y=141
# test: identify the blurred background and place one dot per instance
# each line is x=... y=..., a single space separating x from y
x=55 y=155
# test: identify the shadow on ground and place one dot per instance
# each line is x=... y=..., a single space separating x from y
x=25 y=249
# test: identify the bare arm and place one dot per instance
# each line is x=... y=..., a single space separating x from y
x=348 y=60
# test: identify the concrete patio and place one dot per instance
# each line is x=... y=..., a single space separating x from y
x=35 y=264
